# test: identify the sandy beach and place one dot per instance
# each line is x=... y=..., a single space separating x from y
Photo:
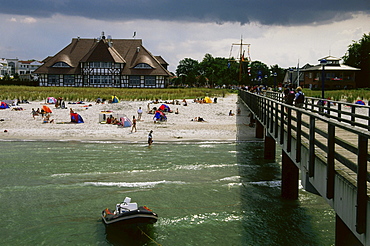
x=218 y=125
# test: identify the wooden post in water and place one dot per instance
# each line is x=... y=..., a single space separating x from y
x=343 y=235
x=289 y=178
x=259 y=130
x=270 y=147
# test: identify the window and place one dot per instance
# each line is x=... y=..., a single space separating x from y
x=143 y=66
x=100 y=79
x=69 y=79
x=61 y=64
x=134 y=81
x=52 y=78
x=149 y=80
x=100 y=64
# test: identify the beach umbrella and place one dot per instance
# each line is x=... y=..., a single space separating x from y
x=46 y=109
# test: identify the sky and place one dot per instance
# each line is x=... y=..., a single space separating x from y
x=283 y=32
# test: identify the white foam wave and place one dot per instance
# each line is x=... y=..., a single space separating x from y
x=232 y=178
x=203 y=166
x=61 y=174
x=133 y=184
x=274 y=183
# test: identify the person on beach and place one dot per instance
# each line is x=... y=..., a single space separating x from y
x=34 y=113
x=231 y=113
x=133 y=124
x=150 y=138
x=139 y=113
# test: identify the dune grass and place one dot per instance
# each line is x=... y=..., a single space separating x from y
x=91 y=94
x=349 y=96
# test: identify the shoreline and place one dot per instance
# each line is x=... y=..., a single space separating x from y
x=218 y=125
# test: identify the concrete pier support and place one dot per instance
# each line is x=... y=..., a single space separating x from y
x=260 y=130
x=270 y=147
x=343 y=235
x=289 y=178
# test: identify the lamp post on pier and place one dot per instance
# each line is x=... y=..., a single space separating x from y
x=274 y=75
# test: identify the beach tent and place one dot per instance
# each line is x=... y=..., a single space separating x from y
x=3 y=105
x=125 y=121
x=164 y=108
x=160 y=116
x=76 y=118
x=51 y=100
x=104 y=115
x=46 y=109
x=208 y=100
x=360 y=102
x=115 y=99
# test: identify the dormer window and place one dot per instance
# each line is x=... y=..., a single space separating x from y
x=61 y=64
x=143 y=66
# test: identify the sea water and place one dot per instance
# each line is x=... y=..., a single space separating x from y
x=205 y=193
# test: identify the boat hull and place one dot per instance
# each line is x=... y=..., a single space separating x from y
x=138 y=216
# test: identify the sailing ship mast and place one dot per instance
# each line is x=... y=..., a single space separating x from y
x=241 y=54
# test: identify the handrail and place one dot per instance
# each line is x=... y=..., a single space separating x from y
x=333 y=109
x=321 y=134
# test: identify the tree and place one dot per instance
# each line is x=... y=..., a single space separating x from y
x=259 y=73
x=358 y=55
x=188 y=70
x=279 y=72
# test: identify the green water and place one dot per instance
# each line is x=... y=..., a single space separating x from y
x=52 y=193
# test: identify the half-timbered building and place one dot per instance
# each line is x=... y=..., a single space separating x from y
x=104 y=62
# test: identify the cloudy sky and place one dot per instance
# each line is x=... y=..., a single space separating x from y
x=279 y=32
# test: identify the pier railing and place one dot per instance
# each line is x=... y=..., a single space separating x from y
x=354 y=114
x=337 y=136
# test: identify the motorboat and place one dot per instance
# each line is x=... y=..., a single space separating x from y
x=128 y=212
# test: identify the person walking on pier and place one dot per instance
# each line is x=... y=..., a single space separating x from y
x=299 y=98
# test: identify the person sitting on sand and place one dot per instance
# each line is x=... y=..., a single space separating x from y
x=231 y=113
x=47 y=119
x=109 y=120
x=199 y=119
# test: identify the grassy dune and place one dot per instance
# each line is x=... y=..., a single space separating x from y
x=349 y=96
x=91 y=94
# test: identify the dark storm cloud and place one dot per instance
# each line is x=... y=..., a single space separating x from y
x=269 y=12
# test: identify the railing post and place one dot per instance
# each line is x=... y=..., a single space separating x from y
x=362 y=198
x=282 y=115
x=353 y=112
x=368 y=121
x=272 y=116
x=267 y=113
x=311 y=158
x=299 y=136
x=330 y=162
x=276 y=120
x=289 y=131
